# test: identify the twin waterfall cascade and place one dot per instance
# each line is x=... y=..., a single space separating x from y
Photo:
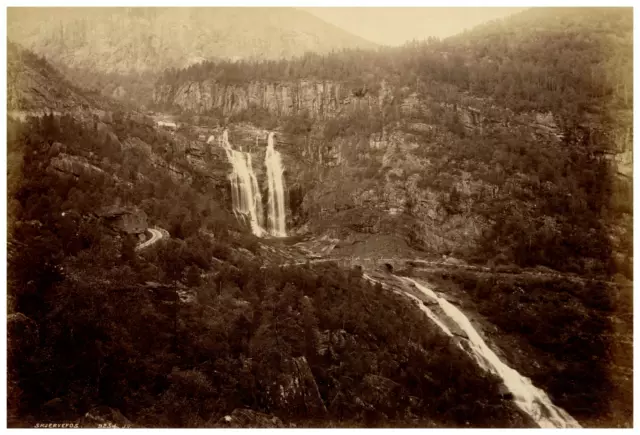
x=245 y=192
x=275 y=177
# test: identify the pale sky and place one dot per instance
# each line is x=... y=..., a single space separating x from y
x=396 y=25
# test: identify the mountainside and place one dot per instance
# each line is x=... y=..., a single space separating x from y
x=508 y=146
x=492 y=112
x=232 y=337
x=495 y=164
x=151 y=39
x=34 y=85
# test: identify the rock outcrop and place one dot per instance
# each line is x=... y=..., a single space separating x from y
x=320 y=99
x=76 y=166
x=381 y=393
x=296 y=389
x=128 y=220
x=34 y=86
x=332 y=343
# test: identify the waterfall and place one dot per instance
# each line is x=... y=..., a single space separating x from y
x=527 y=397
x=275 y=171
x=245 y=194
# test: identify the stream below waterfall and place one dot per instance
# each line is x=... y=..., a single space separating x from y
x=530 y=399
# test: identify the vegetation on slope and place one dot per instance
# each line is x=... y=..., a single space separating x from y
x=541 y=59
x=96 y=334
x=573 y=338
x=34 y=84
x=143 y=39
x=546 y=201
x=92 y=331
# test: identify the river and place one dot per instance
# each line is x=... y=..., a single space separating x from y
x=530 y=399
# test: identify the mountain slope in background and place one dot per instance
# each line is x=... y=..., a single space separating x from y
x=152 y=39
x=33 y=85
x=497 y=147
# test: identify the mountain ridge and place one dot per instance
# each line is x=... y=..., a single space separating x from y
x=476 y=142
x=105 y=39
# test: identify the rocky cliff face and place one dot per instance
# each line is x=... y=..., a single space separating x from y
x=388 y=199
x=320 y=99
x=398 y=186
x=357 y=188
x=296 y=388
x=75 y=166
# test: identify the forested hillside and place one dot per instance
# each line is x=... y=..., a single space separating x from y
x=34 y=85
x=533 y=111
x=134 y=39
x=505 y=149
x=224 y=329
x=561 y=60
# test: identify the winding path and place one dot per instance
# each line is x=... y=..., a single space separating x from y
x=155 y=236
x=374 y=263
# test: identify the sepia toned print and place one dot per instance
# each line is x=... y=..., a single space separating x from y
x=285 y=217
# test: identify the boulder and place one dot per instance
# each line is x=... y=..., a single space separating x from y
x=296 y=389
x=381 y=393
x=56 y=148
x=129 y=220
x=196 y=149
x=505 y=393
x=76 y=166
x=247 y=418
x=470 y=117
x=333 y=343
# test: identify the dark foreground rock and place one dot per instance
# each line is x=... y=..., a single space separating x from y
x=381 y=393
x=296 y=389
x=129 y=220
x=22 y=332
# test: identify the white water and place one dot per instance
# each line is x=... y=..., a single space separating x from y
x=245 y=194
x=530 y=399
x=276 y=210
